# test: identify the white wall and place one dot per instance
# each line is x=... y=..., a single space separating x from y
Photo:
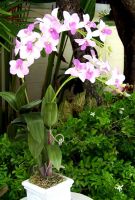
x=116 y=58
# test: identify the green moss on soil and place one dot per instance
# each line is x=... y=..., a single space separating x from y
x=46 y=182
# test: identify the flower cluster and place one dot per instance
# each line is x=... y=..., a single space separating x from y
x=30 y=43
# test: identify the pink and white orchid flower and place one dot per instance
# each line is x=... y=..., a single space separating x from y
x=103 y=31
x=105 y=67
x=102 y=66
x=50 y=24
x=85 y=42
x=19 y=67
x=46 y=26
x=71 y=22
x=78 y=70
x=27 y=47
x=87 y=23
x=91 y=72
x=116 y=79
x=27 y=31
x=17 y=46
x=93 y=60
x=48 y=43
x=83 y=71
x=28 y=34
x=30 y=51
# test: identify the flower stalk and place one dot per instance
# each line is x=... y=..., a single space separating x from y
x=62 y=85
x=26 y=94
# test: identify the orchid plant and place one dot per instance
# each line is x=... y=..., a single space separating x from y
x=44 y=35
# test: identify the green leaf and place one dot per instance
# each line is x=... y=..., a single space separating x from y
x=89 y=7
x=4 y=46
x=31 y=105
x=20 y=12
x=55 y=155
x=11 y=28
x=35 y=147
x=14 y=4
x=12 y=130
x=49 y=94
x=49 y=112
x=3 y=12
x=4 y=26
x=35 y=126
x=10 y=98
x=20 y=96
x=43 y=53
x=4 y=34
x=19 y=119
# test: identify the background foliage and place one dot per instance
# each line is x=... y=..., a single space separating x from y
x=99 y=152
x=15 y=166
x=13 y=17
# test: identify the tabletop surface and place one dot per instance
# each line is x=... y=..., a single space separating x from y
x=75 y=196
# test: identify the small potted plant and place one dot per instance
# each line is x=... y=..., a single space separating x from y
x=44 y=35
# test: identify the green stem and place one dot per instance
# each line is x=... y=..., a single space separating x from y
x=26 y=94
x=101 y=80
x=64 y=46
x=83 y=33
x=100 y=44
x=62 y=85
x=104 y=82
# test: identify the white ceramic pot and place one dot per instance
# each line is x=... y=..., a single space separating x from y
x=60 y=191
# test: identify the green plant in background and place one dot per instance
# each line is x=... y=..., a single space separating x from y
x=15 y=166
x=13 y=16
x=99 y=152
